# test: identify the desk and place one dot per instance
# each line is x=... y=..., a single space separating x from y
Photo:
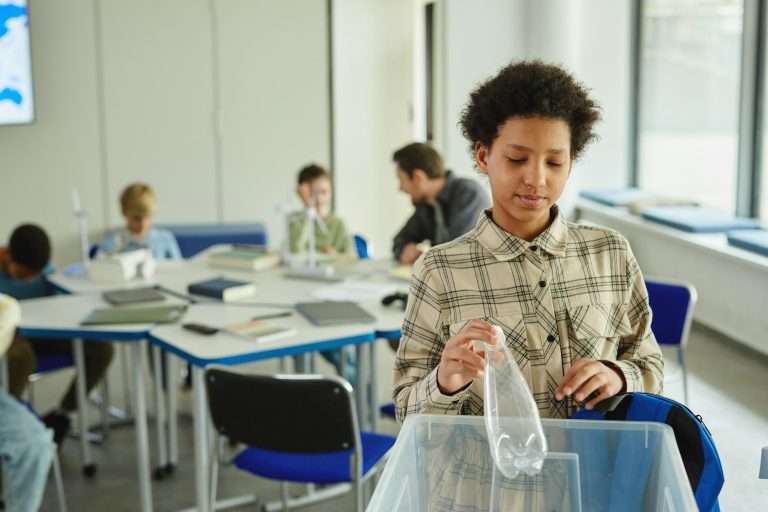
x=226 y=349
x=59 y=317
x=272 y=288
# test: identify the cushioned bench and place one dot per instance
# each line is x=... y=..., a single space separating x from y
x=697 y=219
x=752 y=240
x=614 y=197
x=193 y=238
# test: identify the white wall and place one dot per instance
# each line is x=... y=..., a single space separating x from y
x=373 y=70
x=274 y=102
x=591 y=38
x=158 y=102
x=480 y=38
x=605 y=53
x=216 y=103
x=40 y=162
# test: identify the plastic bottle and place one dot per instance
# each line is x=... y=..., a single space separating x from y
x=512 y=420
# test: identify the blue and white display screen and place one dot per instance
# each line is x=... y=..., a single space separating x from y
x=16 y=105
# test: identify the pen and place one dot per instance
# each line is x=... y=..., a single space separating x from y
x=272 y=315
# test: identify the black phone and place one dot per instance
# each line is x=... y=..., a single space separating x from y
x=200 y=328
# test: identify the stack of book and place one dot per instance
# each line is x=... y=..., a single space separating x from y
x=225 y=290
x=244 y=258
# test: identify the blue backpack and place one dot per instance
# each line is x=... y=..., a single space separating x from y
x=697 y=449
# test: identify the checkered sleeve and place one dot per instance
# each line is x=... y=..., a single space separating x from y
x=421 y=345
x=639 y=356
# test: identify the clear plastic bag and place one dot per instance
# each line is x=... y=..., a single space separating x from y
x=512 y=420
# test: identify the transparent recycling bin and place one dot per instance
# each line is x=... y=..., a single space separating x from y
x=443 y=463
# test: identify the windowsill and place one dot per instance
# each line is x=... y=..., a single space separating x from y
x=712 y=242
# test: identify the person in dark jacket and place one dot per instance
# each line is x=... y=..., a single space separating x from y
x=447 y=206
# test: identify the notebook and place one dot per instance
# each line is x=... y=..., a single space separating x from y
x=163 y=314
x=259 y=330
x=132 y=296
x=226 y=290
x=334 y=313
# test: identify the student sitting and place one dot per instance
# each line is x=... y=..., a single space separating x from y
x=138 y=204
x=26 y=448
x=315 y=190
x=569 y=298
x=23 y=265
x=447 y=206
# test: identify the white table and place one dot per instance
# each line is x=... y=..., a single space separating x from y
x=275 y=290
x=59 y=317
x=226 y=349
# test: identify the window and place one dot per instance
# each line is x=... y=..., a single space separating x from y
x=689 y=71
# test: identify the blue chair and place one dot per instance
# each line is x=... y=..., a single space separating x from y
x=672 y=305
x=361 y=246
x=296 y=428
x=48 y=363
x=194 y=238
x=388 y=410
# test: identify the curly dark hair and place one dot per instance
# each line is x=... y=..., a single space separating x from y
x=530 y=89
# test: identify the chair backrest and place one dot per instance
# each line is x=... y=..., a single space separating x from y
x=361 y=246
x=672 y=305
x=10 y=315
x=195 y=238
x=286 y=413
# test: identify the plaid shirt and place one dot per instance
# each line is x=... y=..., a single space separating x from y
x=574 y=292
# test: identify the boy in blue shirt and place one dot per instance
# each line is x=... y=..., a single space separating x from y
x=23 y=265
x=138 y=203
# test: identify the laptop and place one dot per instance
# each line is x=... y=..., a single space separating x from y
x=163 y=314
x=327 y=313
x=132 y=296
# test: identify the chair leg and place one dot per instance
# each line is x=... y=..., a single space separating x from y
x=104 y=405
x=311 y=362
x=358 y=495
x=59 y=482
x=123 y=352
x=213 y=476
x=681 y=360
x=284 y=495
x=162 y=440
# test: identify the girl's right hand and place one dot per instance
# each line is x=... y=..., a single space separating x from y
x=461 y=362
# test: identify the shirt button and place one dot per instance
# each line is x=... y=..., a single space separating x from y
x=551 y=338
x=534 y=247
x=542 y=283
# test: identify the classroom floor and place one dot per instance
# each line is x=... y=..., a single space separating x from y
x=727 y=386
